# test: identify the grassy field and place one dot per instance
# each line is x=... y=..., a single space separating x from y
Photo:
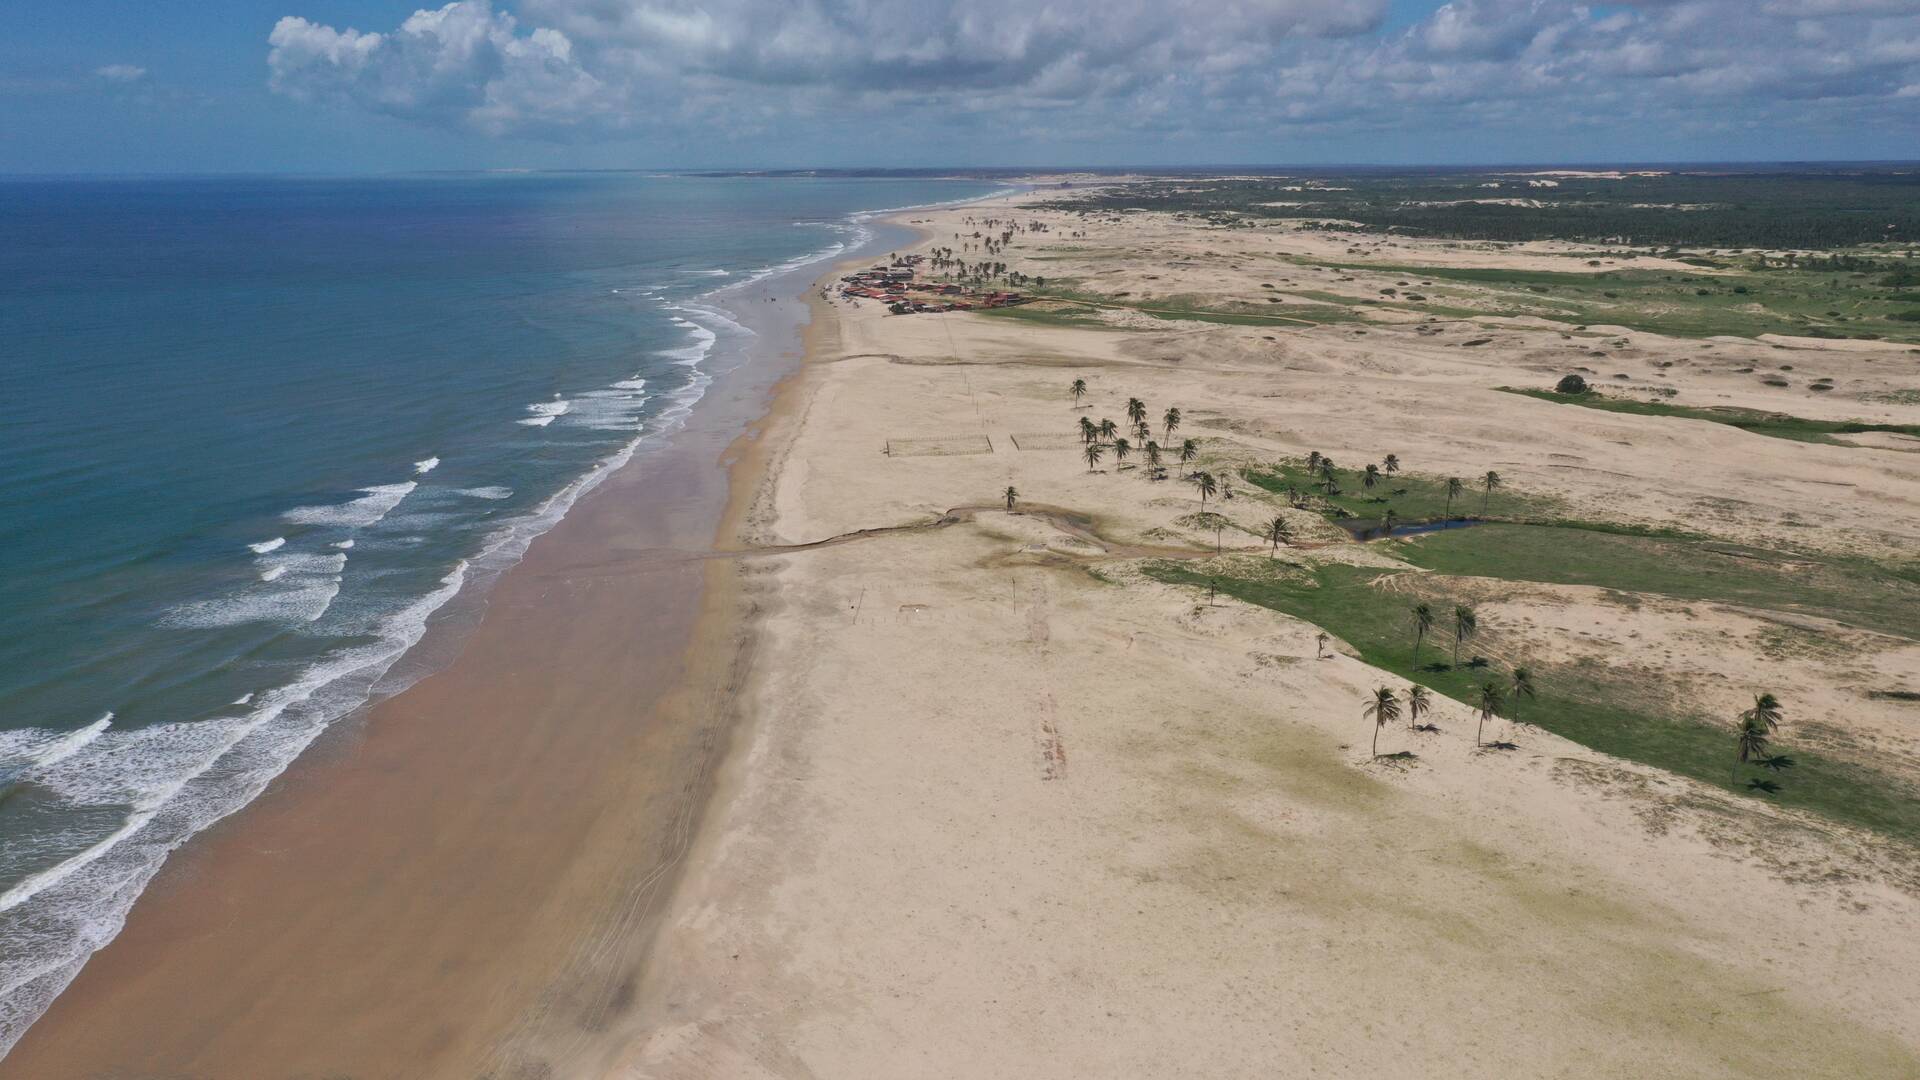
x=1738 y=302
x=1412 y=497
x=1777 y=425
x=1853 y=592
x=1595 y=708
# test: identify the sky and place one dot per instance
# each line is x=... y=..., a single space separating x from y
x=355 y=86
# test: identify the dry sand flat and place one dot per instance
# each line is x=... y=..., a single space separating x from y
x=998 y=815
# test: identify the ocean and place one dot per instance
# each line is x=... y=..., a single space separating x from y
x=261 y=433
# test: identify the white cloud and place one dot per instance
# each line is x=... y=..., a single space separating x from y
x=1245 y=68
x=121 y=73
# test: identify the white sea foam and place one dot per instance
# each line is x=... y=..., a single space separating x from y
x=536 y=421
x=426 y=466
x=272 y=573
x=373 y=504
x=342 y=544
x=707 y=273
x=265 y=546
x=495 y=493
x=243 y=698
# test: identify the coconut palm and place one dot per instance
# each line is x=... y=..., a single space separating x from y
x=1383 y=709
x=1010 y=495
x=1278 y=532
x=1204 y=483
x=1522 y=688
x=1455 y=486
x=1153 y=454
x=1392 y=464
x=1489 y=482
x=1422 y=622
x=1751 y=742
x=1172 y=421
x=1489 y=707
x=1388 y=521
x=1418 y=702
x=1320 y=644
x=1108 y=429
x=1121 y=448
x=1142 y=432
x=1465 y=623
x=1092 y=453
x=1313 y=461
x=1370 y=476
x=1765 y=712
x=1088 y=432
x=1188 y=451
x=1078 y=390
x=1136 y=411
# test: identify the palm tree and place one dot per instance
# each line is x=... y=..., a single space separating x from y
x=1313 y=461
x=1370 y=476
x=1121 y=448
x=1142 y=432
x=1751 y=742
x=1392 y=464
x=1136 y=411
x=1465 y=622
x=1092 y=454
x=1489 y=707
x=1153 y=455
x=1078 y=390
x=1088 y=432
x=1108 y=429
x=1765 y=712
x=1011 y=495
x=1388 y=521
x=1522 y=688
x=1455 y=486
x=1203 y=482
x=1188 y=451
x=1278 y=531
x=1320 y=644
x=1172 y=420
x=1422 y=622
x=1491 y=481
x=1383 y=709
x=1418 y=702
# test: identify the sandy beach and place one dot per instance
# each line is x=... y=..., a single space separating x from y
x=844 y=768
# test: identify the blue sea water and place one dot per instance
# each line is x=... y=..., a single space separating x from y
x=257 y=432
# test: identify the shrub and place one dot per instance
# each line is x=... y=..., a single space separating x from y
x=1572 y=384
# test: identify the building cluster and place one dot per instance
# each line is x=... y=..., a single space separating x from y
x=895 y=286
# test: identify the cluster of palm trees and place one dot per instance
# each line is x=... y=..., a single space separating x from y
x=1096 y=440
x=1493 y=693
x=1374 y=475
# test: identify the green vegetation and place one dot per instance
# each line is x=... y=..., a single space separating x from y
x=1606 y=710
x=1854 y=592
x=1818 y=208
x=1777 y=425
x=1410 y=497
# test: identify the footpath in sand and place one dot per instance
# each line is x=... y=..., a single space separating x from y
x=1007 y=807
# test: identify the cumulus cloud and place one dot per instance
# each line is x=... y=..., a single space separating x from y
x=121 y=73
x=1191 y=69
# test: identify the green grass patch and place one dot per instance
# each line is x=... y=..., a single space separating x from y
x=1588 y=706
x=1854 y=592
x=1776 y=425
x=1411 y=497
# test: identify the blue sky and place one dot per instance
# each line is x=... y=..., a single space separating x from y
x=370 y=86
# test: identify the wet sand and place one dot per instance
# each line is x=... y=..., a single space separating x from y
x=462 y=881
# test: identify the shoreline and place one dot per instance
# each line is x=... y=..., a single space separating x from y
x=198 y=979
